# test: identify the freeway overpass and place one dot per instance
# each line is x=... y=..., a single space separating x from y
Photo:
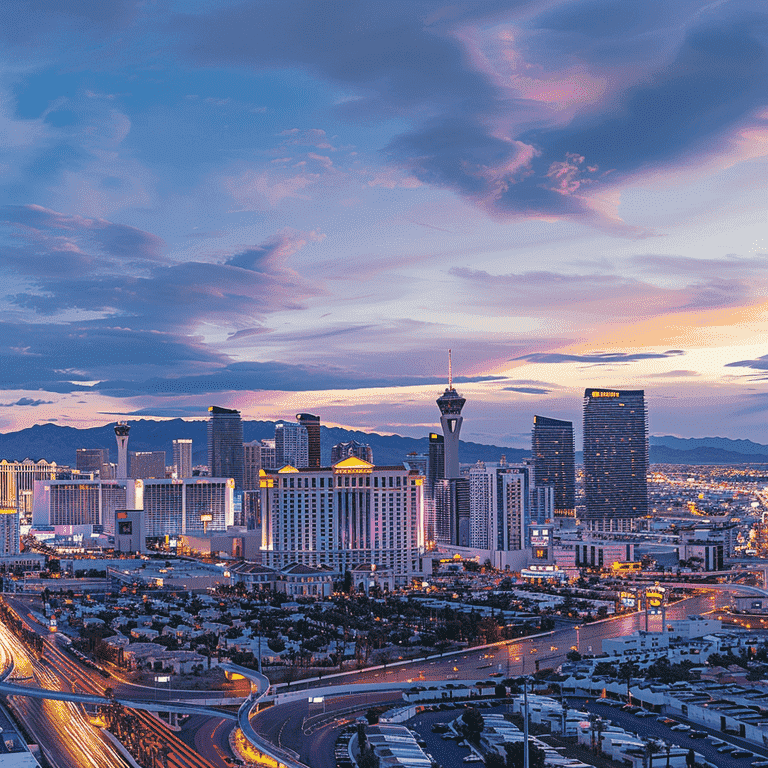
x=11 y=689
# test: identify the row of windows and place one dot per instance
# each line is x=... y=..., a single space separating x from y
x=347 y=481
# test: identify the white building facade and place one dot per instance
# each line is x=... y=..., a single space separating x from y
x=343 y=516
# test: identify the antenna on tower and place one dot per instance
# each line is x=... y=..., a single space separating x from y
x=450 y=371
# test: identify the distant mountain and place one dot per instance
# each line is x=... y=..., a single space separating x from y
x=59 y=444
x=746 y=447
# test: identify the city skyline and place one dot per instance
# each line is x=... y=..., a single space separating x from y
x=306 y=206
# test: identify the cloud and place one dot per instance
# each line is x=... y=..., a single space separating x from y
x=760 y=364
x=604 y=295
x=527 y=390
x=255 y=376
x=470 y=131
x=26 y=401
x=599 y=358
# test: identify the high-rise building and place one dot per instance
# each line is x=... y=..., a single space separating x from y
x=122 y=429
x=615 y=458
x=553 y=452
x=291 y=445
x=177 y=507
x=9 y=532
x=79 y=502
x=92 y=460
x=225 y=444
x=268 y=454
x=147 y=464
x=452 y=511
x=17 y=479
x=343 y=516
x=450 y=404
x=182 y=458
x=251 y=465
x=312 y=425
x=435 y=471
x=342 y=451
x=482 y=504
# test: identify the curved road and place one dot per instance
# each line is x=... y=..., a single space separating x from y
x=281 y=724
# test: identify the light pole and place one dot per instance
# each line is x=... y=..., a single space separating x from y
x=526 y=763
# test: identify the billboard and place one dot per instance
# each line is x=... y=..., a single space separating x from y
x=628 y=599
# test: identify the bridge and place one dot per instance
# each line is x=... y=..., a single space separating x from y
x=11 y=689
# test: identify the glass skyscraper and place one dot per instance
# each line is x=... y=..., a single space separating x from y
x=615 y=458
x=554 y=461
x=225 y=444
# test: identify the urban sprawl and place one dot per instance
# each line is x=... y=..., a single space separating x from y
x=285 y=605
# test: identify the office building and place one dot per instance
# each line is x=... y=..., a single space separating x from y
x=122 y=430
x=92 y=460
x=68 y=503
x=251 y=465
x=9 y=532
x=225 y=444
x=554 y=458
x=147 y=464
x=312 y=425
x=615 y=459
x=176 y=507
x=342 y=451
x=182 y=458
x=291 y=445
x=351 y=514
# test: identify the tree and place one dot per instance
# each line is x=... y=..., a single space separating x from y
x=494 y=761
x=515 y=755
x=573 y=656
x=627 y=671
x=605 y=669
x=368 y=760
x=362 y=739
x=472 y=724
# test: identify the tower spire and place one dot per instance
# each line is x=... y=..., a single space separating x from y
x=450 y=371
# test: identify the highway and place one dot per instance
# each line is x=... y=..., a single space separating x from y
x=282 y=723
x=48 y=719
x=62 y=729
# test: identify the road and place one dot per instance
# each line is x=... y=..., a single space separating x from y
x=63 y=731
x=60 y=669
x=520 y=657
x=281 y=724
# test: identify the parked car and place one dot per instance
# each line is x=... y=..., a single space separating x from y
x=643 y=713
x=697 y=734
x=680 y=727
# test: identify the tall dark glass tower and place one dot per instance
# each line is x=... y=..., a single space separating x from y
x=312 y=424
x=615 y=458
x=554 y=461
x=225 y=444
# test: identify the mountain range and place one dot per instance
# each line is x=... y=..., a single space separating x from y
x=59 y=444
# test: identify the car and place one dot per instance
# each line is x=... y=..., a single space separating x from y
x=741 y=753
x=643 y=713
x=473 y=758
x=725 y=748
x=496 y=674
x=697 y=734
x=439 y=728
x=669 y=721
x=715 y=741
x=760 y=763
x=680 y=727
x=447 y=736
x=662 y=719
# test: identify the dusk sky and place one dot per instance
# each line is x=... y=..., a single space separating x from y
x=300 y=206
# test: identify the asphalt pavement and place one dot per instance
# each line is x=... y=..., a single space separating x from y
x=648 y=727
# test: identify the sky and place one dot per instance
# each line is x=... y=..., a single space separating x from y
x=291 y=205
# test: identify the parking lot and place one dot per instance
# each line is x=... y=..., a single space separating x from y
x=650 y=727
